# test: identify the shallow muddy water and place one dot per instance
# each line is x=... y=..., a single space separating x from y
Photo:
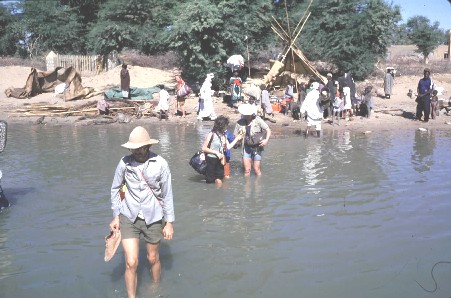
x=347 y=215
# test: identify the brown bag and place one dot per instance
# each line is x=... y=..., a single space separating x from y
x=255 y=139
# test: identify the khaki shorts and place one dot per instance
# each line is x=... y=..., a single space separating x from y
x=152 y=233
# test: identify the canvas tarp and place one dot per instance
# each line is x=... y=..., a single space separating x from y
x=40 y=82
x=135 y=93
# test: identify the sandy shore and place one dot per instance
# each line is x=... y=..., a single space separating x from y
x=394 y=113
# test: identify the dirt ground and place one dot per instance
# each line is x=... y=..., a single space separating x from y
x=394 y=113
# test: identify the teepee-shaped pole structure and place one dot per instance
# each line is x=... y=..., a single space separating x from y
x=296 y=63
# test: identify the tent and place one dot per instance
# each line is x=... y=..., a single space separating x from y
x=40 y=82
x=292 y=63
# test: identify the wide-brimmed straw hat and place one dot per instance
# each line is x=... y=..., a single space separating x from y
x=247 y=109
x=111 y=244
x=139 y=137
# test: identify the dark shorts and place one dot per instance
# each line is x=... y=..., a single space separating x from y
x=181 y=101
x=215 y=170
x=152 y=233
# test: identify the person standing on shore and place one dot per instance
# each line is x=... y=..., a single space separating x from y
x=125 y=81
x=424 y=91
x=147 y=208
x=388 y=82
x=182 y=92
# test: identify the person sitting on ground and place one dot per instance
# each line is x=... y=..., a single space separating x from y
x=103 y=107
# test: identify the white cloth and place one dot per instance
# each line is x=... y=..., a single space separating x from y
x=311 y=106
x=60 y=88
x=206 y=109
x=266 y=103
x=337 y=104
x=347 y=94
x=235 y=61
x=163 y=103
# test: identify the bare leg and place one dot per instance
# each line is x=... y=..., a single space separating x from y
x=131 y=249
x=154 y=260
x=247 y=162
x=257 y=169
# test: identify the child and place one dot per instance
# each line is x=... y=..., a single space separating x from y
x=230 y=137
x=337 y=104
x=434 y=104
x=367 y=102
x=289 y=94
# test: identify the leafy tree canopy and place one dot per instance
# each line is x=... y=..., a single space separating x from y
x=424 y=35
x=352 y=34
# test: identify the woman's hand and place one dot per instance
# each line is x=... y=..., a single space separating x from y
x=263 y=142
x=219 y=155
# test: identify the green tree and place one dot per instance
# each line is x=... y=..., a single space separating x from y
x=424 y=35
x=207 y=32
x=6 y=44
x=197 y=39
x=352 y=34
x=51 y=26
x=119 y=25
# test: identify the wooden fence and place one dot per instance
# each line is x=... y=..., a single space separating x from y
x=84 y=64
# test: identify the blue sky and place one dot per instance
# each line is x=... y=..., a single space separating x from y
x=434 y=10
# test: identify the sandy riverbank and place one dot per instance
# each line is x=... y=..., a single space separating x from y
x=393 y=113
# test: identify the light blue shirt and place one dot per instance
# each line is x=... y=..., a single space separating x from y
x=154 y=203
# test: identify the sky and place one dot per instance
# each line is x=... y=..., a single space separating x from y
x=434 y=10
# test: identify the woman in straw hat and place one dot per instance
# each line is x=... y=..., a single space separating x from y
x=147 y=207
x=249 y=126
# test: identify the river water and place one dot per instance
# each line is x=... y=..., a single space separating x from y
x=347 y=215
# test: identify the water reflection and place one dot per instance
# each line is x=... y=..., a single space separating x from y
x=423 y=149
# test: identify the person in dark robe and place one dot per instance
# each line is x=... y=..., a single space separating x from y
x=125 y=81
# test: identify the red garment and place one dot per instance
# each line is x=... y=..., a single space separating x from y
x=180 y=84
